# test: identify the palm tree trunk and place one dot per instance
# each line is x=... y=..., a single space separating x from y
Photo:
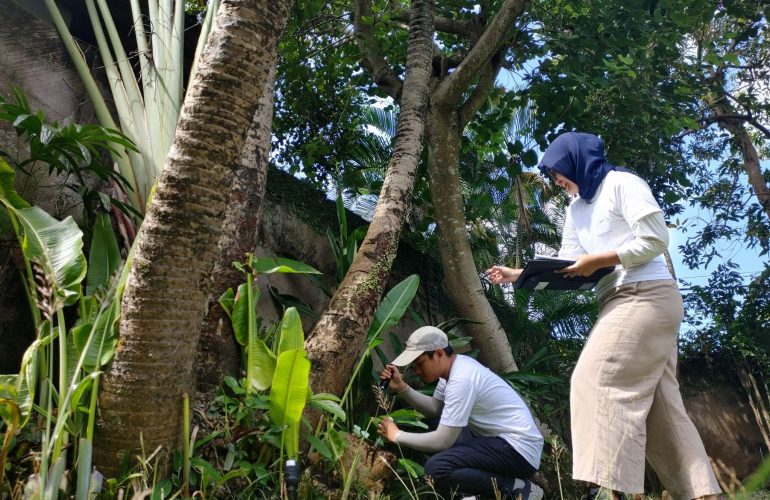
x=342 y=328
x=165 y=296
x=218 y=352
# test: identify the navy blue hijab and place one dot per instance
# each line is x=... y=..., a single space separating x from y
x=580 y=158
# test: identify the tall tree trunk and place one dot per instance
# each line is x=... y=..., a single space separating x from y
x=461 y=279
x=456 y=97
x=165 y=297
x=343 y=326
x=218 y=352
x=449 y=113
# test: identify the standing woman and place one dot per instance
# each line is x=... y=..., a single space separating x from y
x=624 y=397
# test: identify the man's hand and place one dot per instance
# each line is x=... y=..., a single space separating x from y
x=502 y=274
x=397 y=384
x=387 y=429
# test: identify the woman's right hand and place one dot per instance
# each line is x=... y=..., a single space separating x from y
x=391 y=373
x=501 y=274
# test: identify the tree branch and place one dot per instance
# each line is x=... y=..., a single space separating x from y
x=751 y=164
x=748 y=118
x=480 y=93
x=442 y=24
x=373 y=61
x=497 y=33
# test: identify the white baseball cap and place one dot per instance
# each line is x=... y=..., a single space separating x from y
x=426 y=338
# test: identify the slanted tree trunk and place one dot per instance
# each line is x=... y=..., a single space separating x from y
x=165 y=296
x=343 y=325
x=218 y=352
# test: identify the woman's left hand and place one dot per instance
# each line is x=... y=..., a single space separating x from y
x=585 y=265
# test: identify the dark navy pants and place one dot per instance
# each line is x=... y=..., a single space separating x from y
x=470 y=466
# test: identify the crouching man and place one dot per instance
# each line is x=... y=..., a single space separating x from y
x=504 y=446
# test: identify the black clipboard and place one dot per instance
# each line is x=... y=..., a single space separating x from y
x=540 y=274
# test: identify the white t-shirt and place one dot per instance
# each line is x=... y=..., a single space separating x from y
x=621 y=201
x=476 y=397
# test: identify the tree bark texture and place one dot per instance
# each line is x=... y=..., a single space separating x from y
x=448 y=114
x=218 y=352
x=165 y=296
x=344 y=324
x=461 y=278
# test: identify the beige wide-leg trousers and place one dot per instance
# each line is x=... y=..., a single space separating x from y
x=625 y=400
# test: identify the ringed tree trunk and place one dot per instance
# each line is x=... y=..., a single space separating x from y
x=341 y=330
x=218 y=352
x=165 y=296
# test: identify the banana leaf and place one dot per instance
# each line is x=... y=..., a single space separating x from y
x=270 y=265
x=55 y=245
x=292 y=336
x=392 y=307
x=27 y=378
x=289 y=395
x=260 y=365
x=98 y=339
x=244 y=318
x=104 y=257
x=226 y=301
x=328 y=403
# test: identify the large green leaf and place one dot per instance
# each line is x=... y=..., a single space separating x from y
x=393 y=306
x=292 y=336
x=289 y=395
x=55 y=245
x=328 y=403
x=242 y=317
x=226 y=302
x=260 y=365
x=98 y=339
x=269 y=265
x=7 y=178
x=104 y=257
x=7 y=191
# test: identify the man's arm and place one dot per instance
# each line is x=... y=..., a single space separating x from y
x=427 y=405
x=430 y=442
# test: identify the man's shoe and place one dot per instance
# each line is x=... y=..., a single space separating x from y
x=530 y=491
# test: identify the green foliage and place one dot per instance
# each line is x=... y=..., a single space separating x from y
x=73 y=151
x=104 y=256
x=55 y=268
x=316 y=120
x=241 y=308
